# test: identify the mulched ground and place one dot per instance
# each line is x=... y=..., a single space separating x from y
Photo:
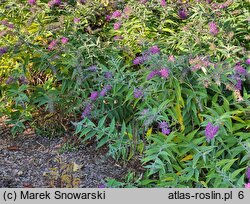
x=35 y=161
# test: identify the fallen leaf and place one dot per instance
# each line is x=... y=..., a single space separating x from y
x=76 y=167
x=187 y=158
x=13 y=148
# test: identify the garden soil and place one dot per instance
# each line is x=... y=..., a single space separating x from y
x=35 y=161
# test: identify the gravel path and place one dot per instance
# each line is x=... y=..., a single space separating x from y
x=33 y=161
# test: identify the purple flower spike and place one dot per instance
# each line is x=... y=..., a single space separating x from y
x=57 y=2
x=139 y=60
x=92 y=68
x=87 y=111
x=213 y=28
x=171 y=58
x=94 y=95
x=31 y=2
x=102 y=186
x=76 y=20
x=164 y=128
x=163 y=3
x=108 y=18
x=248 y=61
x=138 y=93
x=152 y=74
x=164 y=73
x=182 y=14
x=105 y=90
x=65 y=40
x=52 y=44
x=3 y=50
x=54 y=2
x=240 y=70
x=117 y=25
x=248 y=173
x=247 y=185
x=211 y=131
x=154 y=50
x=108 y=75
x=238 y=84
x=116 y=14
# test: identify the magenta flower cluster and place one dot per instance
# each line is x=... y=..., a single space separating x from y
x=163 y=3
x=31 y=2
x=116 y=14
x=211 y=131
x=164 y=72
x=117 y=25
x=213 y=28
x=64 y=40
x=52 y=44
x=248 y=61
x=248 y=174
x=77 y=20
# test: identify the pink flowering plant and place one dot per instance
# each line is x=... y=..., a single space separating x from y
x=162 y=83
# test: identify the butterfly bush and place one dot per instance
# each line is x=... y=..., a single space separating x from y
x=152 y=72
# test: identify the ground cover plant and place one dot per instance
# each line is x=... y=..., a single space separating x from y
x=162 y=82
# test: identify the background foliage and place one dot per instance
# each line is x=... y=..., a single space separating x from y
x=118 y=71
